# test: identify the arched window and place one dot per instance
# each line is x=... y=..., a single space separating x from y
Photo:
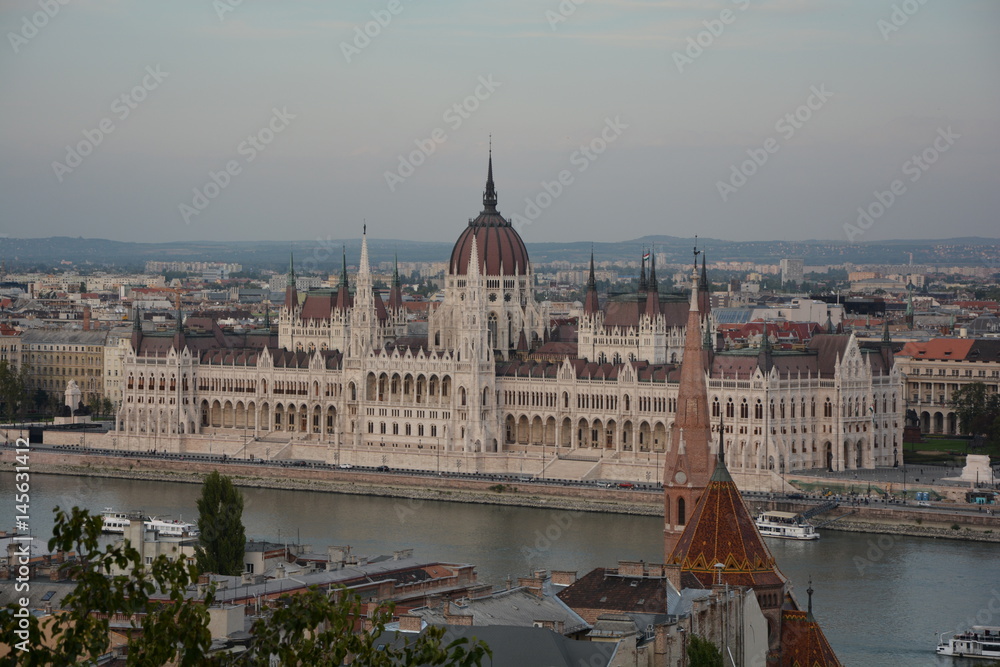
x=680 y=512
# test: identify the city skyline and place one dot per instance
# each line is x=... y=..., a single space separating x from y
x=735 y=120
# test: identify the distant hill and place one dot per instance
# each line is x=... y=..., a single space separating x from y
x=325 y=256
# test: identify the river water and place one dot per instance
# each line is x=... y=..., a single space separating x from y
x=880 y=600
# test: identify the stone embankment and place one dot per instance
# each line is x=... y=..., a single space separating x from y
x=875 y=519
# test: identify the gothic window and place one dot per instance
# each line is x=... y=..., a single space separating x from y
x=744 y=410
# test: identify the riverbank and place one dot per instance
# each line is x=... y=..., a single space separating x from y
x=419 y=488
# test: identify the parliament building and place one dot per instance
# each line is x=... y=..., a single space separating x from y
x=341 y=378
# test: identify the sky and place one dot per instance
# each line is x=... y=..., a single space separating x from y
x=850 y=120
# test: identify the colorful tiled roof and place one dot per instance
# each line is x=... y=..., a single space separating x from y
x=803 y=643
x=721 y=530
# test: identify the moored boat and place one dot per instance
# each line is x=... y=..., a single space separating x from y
x=979 y=641
x=786 y=525
x=117 y=522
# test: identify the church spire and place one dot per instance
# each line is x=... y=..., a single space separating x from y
x=490 y=194
x=396 y=291
x=688 y=464
x=591 y=304
x=642 y=273
x=291 y=294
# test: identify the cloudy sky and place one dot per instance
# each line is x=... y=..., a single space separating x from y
x=611 y=119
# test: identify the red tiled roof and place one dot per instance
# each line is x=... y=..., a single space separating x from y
x=721 y=530
x=940 y=349
x=803 y=643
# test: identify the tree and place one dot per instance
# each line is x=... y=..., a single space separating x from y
x=978 y=410
x=220 y=522
x=94 y=404
x=703 y=653
x=13 y=390
x=313 y=628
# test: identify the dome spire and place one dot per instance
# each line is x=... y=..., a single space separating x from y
x=490 y=194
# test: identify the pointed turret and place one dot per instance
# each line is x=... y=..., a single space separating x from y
x=642 y=274
x=704 y=294
x=490 y=193
x=136 y=329
x=396 y=292
x=591 y=305
x=765 y=360
x=652 y=289
x=343 y=288
x=364 y=269
x=179 y=341
x=291 y=294
x=688 y=464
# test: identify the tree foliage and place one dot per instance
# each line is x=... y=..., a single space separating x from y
x=174 y=630
x=13 y=390
x=311 y=628
x=978 y=410
x=220 y=522
x=703 y=653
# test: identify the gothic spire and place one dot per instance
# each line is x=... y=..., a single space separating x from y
x=343 y=266
x=653 y=286
x=642 y=273
x=591 y=304
x=490 y=194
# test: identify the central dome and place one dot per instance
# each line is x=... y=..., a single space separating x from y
x=500 y=248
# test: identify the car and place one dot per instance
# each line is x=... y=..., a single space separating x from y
x=923 y=503
x=382 y=468
x=626 y=485
x=345 y=466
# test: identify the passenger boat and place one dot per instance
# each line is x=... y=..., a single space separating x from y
x=979 y=641
x=786 y=525
x=117 y=522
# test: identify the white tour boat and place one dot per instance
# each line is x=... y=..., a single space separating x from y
x=979 y=641
x=117 y=522
x=787 y=525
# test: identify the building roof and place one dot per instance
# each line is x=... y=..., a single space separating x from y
x=803 y=643
x=63 y=337
x=939 y=349
x=721 y=530
x=604 y=588
x=500 y=248
x=523 y=647
x=518 y=606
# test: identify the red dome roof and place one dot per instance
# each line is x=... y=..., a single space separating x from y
x=500 y=248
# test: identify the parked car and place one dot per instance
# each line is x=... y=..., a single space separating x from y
x=382 y=468
x=345 y=466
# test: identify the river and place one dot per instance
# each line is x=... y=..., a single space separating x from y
x=881 y=600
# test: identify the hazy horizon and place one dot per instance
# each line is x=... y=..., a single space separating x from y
x=615 y=119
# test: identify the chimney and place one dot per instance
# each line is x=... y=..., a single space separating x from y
x=630 y=568
x=554 y=626
x=563 y=577
x=456 y=619
x=411 y=623
x=533 y=584
x=86 y=318
x=673 y=573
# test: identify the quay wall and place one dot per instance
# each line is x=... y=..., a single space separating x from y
x=893 y=520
